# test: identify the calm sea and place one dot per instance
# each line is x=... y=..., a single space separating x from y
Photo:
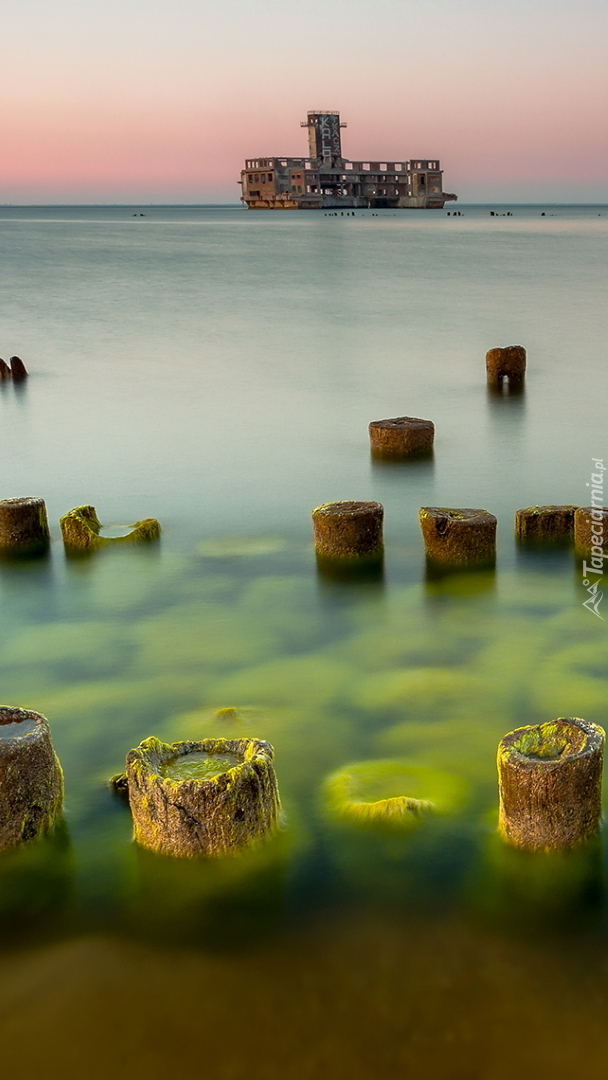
x=217 y=369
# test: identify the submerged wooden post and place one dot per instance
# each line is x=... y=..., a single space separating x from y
x=201 y=798
x=544 y=522
x=348 y=530
x=508 y=363
x=31 y=780
x=550 y=783
x=402 y=437
x=458 y=536
x=23 y=525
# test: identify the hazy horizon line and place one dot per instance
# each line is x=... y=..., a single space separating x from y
x=238 y=206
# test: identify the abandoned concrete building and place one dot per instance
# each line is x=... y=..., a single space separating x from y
x=324 y=179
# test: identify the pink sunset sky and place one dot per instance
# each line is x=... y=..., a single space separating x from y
x=161 y=102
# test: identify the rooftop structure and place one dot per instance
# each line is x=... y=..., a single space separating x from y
x=324 y=179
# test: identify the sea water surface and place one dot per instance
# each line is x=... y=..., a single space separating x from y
x=217 y=369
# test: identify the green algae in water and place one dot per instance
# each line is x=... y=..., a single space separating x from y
x=199 y=765
x=17 y=729
x=547 y=741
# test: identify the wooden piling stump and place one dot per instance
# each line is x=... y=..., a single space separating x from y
x=508 y=363
x=31 y=780
x=402 y=437
x=544 y=522
x=202 y=798
x=5 y=371
x=18 y=369
x=80 y=529
x=23 y=525
x=591 y=531
x=550 y=783
x=458 y=536
x=348 y=530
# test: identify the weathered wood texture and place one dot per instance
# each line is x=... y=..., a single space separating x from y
x=544 y=522
x=458 y=536
x=401 y=437
x=508 y=363
x=216 y=816
x=348 y=530
x=23 y=524
x=550 y=783
x=31 y=780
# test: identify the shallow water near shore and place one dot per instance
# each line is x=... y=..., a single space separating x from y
x=217 y=369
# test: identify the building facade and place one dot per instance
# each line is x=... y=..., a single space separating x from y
x=324 y=179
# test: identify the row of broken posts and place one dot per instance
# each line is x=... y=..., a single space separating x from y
x=214 y=796
x=550 y=774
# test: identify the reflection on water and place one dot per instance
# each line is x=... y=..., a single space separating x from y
x=507 y=395
x=540 y=892
x=36 y=889
x=357 y=572
x=423 y=463
x=462 y=580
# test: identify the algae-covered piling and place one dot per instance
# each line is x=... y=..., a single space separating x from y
x=31 y=780
x=348 y=530
x=182 y=805
x=458 y=536
x=550 y=783
x=81 y=528
x=24 y=526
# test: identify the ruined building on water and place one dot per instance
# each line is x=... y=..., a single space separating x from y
x=325 y=179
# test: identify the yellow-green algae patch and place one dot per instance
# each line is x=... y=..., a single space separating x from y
x=424 y=690
x=238 y=547
x=390 y=792
x=588 y=659
x=93 y=645
x=532 y=590
x=198 y=765
x=557 y=690
x=466 y=743
x=310 y=679
x=80 y=529
x=513 y=653
x=202 y=635
x=548 y=741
